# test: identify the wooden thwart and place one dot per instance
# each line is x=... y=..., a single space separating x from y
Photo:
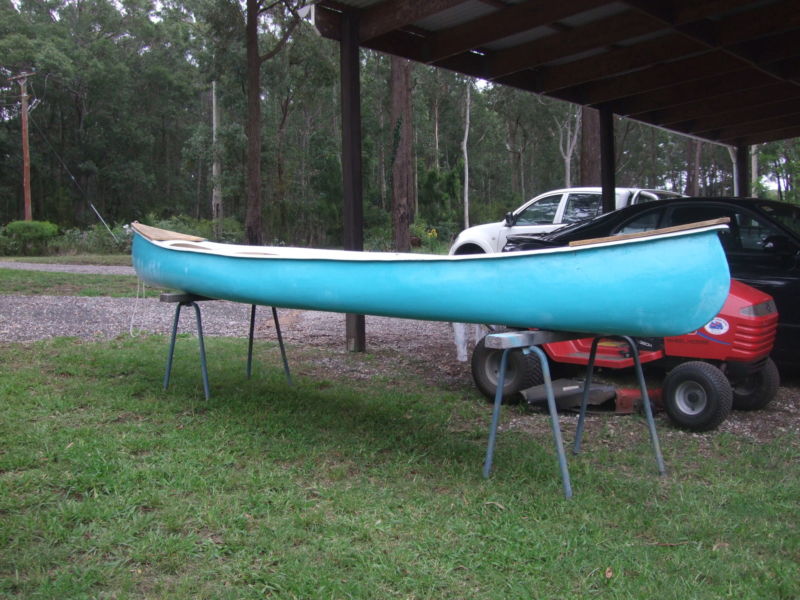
x=162 y=235
x=654 y=232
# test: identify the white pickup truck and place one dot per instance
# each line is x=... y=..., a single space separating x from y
x=545 y=213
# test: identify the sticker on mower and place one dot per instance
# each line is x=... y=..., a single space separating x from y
x=717 y=326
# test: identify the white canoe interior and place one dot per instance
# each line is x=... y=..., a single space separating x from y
x=183 y=242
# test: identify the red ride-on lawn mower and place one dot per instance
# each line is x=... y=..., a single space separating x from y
x=709 y=371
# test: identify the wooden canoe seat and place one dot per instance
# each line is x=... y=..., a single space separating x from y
x=653 y=232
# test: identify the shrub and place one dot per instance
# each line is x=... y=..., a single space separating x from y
x=429 y=239
x=95 y=240
x=27 y=237
x=8 y=247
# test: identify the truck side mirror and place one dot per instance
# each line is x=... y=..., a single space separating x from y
x=510 y=219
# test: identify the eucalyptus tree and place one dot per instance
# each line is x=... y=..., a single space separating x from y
x=301 y=116
x=780 y=163
x=403 y=180
x=531 y=126
x=114 y=86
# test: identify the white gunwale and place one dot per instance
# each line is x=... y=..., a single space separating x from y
x=187 y=243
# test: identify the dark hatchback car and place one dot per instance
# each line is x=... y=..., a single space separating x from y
x=762 y=245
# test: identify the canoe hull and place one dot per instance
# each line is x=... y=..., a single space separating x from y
x=658 y=287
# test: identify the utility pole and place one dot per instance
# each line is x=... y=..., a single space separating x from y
x=22 y=80
x=465 y=154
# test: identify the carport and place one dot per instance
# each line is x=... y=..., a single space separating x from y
x=726 y=71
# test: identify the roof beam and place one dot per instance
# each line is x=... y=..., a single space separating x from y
x=600 y=33
x=756 y=128
x=616 y=62
x=727 y=108
x=686 y=11
x=644 y=105
x=771 y=19
x=328 y=22
x=389 y=15
x=765 y=136
x=691 y=19
x=732 y=32
x=413 y=47
x=503 y=23
x=660 y=76
x=765 y=51
x=742 y=116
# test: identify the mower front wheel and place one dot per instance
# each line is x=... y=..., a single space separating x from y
x=758 y=389
x=697 y=396
x=522 y=371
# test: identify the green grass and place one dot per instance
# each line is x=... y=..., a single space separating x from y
x=35 y=283
x=119 y=260
x=111 y=488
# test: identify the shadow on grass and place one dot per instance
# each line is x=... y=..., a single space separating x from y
x=368 y=425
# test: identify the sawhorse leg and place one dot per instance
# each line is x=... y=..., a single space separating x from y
x=648 y=411
x=203 y=366
x=280 y=343
x=551 y=405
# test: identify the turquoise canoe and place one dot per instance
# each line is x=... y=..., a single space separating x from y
x=663 y=283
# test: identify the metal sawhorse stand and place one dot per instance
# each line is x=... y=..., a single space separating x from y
x=529 y=342
x=191 y=300
x=648 y=410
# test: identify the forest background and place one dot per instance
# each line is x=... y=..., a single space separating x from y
x=120 y=112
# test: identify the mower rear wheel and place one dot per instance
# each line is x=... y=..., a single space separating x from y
x=522 y=371
x=697 y=396
x=757 y=390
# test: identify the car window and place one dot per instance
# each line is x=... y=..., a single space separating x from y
x=644 y=222
x=541 y=212
x=753 y=232
x=746 y=231
x=683 y=215
x=785 y=214
x=581 y=206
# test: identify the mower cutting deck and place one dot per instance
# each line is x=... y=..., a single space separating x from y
x=722 y=366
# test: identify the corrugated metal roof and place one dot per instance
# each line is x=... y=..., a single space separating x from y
x=727 y=71
x=457 y=15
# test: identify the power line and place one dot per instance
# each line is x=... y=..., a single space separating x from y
x=72 y=177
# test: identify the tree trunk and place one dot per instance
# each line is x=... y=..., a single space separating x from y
x=252 y=224
x=382 y=183
x=590 y=147
x=216 y=168
x=568 y=130
x=515 y=156
x=435 y=111
x=693 y=150
x=402 y=164
x=278 y=206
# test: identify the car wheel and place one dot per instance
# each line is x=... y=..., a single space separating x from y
x=522 y=371
x=758 y=389
x=469 y=249
x=697 y=396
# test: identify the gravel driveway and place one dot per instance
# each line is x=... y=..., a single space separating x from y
x=29 y=318
x=86 y=269
x=425 y=346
